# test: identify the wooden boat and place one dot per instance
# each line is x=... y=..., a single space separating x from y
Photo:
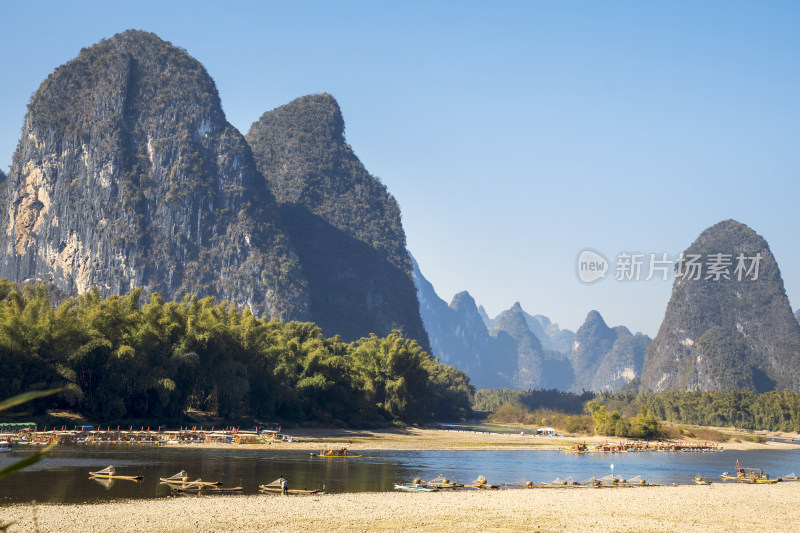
x=277 y=490
x=481 y=483
x=750 y=475
x=109 y=472
x=524 y=483
x=331 y=455
x=199 y=486
x=565 y=482
x=413 y=487
x=577 y=448
x=182 y=478
x=275 y=486
x=441 y=482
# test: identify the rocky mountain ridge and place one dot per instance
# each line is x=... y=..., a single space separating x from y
x=605 y=358
x=342 y=221
x=515 y=348
x=128 y=174
x=728 y=324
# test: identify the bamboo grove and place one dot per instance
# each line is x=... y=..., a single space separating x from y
x=117 y=359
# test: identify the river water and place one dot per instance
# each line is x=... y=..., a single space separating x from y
x=63 y=475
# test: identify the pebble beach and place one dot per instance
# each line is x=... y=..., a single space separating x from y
x=718 y=507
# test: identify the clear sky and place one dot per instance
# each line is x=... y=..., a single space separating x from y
x=513 y=134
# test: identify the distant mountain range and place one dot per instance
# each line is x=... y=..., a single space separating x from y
x=520 y=350
x=728 y=325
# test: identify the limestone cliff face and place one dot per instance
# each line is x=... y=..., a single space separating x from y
x=342 y=221
x=459 y=337
x=529 y=373
x=729 y=333
x=605 y=358
x=128 y=174
x=623 y=363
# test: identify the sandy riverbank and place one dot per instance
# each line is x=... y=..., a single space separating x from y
x=437 y=439
x=719 y=507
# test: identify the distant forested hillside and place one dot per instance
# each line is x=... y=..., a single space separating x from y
x=774 y=410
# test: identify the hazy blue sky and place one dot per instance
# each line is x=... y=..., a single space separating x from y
x=513 y=134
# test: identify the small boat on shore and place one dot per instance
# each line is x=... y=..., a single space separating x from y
x=577 y=448
x=560 y=483
x=524 y=483
x=265 y=488
x=700 y=480
x=413 y=487
x=199 y=486
x=182 y=478
x=276 y=488
x=441 y=482
x=110 y=472
x=481 y=483
x=750 y=475
x=340 y=453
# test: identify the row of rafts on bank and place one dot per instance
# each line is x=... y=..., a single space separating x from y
x=742 y=475
x=182 y=483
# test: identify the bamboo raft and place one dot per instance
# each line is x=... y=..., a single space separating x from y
x=275 y=487
x=441 y=482
x=750 y=475
x=700 y=480
x=481 y=484
x=198 y=486
x=523 y=483
x=182 y=478
x=109 y=472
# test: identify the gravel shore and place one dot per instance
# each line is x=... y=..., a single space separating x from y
x=719 y=507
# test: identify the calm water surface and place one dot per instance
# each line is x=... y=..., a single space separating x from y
x=63 y=475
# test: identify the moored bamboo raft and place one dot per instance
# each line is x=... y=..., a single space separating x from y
x=201 y=487
x=524 y=482
x=442 y=482
x=276 y=488
x=182 y=478
x=110 y=472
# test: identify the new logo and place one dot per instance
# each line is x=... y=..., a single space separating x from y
x=591 y=266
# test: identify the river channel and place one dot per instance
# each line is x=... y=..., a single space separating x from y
x=63 y=475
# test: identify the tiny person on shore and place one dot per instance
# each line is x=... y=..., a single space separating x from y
x=284 y=486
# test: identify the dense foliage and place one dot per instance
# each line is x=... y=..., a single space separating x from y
x=642 y=426
x=774 y=411
x=117 y=359
x=565 y=411
x=566 y=402
x=516 y=413
x=632 y=414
